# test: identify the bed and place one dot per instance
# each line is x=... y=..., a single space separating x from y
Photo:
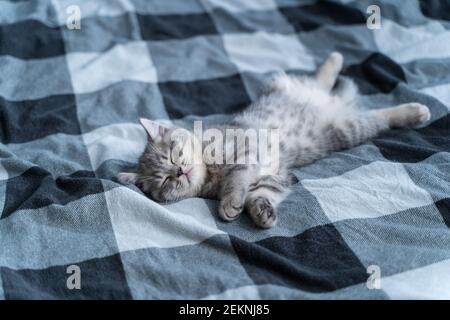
x=372 y=222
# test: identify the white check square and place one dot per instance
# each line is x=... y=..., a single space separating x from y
x=94 y=71
x=370 y=191
x=262 y=52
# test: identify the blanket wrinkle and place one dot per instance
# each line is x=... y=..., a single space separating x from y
x=70 y=104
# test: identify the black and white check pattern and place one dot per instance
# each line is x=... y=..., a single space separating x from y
x=69 y=105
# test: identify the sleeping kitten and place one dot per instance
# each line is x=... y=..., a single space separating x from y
x=313 y=115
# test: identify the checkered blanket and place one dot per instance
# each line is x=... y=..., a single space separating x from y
x=370 y=222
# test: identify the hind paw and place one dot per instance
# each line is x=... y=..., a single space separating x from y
x=337 y=58
x=417 y=114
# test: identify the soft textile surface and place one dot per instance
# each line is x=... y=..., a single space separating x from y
x=69 y=105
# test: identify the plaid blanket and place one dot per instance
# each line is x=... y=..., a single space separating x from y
x=371 y=222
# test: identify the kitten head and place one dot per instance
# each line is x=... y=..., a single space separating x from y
x=171 y=166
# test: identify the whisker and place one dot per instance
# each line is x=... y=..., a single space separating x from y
x=144 y=179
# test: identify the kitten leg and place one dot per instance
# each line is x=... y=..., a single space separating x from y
x=328 y=72
x=233 y=192
x=263 y=198
x=405 y=115
x=350 y=132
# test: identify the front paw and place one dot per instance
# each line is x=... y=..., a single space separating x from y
x=230 y=208
x=263 y=213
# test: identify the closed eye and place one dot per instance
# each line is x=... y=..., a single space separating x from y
x=179 y=157
x=170 y=152
x=164 y=181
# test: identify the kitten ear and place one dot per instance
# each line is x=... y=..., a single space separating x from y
x=127 y=177
x=155 y=131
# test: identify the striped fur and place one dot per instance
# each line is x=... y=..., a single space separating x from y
x=314 y=115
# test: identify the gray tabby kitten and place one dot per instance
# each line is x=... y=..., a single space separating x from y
x=314 y=116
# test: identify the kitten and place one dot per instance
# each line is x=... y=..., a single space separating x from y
x=314 y=116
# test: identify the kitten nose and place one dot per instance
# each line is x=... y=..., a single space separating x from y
x=180 y=172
